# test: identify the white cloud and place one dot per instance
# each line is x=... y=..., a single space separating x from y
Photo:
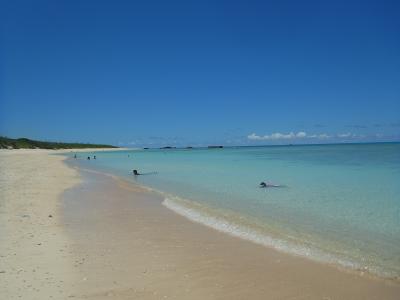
x=277 y=136
x=301 y=134
x=344 y=135
x=255 y=137
x=288 y=136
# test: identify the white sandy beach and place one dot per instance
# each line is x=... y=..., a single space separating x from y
x=34 y=261
x=111 y=240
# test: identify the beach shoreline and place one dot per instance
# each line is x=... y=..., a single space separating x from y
x=163 y=251
x=35 y=260
x=113 y=239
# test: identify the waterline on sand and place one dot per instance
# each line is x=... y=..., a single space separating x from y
x=340 y=202
x=247 y=229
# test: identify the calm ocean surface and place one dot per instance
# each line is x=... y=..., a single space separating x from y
x=340 y=203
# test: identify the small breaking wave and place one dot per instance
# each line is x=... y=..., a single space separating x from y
x=234 y=227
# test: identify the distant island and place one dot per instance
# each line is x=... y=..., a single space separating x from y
x=24 y=143
x=215 y=147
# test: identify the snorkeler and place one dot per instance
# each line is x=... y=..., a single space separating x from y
x=268 y=184
x=135 y=172
x=263 y=185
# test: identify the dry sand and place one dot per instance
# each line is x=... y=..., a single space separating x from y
x=34 y=251
x=35 y=259
x=109 y=239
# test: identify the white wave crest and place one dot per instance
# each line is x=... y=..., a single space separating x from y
x=221 y=224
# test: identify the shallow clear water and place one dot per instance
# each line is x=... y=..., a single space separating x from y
x=340 y=203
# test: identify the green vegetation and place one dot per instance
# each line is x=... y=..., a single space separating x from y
x=7 y=143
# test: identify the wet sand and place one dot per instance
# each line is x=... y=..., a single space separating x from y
x=127 y=245
x=69 y=234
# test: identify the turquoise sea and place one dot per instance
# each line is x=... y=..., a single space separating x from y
x=340 y=204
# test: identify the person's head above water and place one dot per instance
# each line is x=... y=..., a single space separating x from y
x=135 y=172
x=270 y=185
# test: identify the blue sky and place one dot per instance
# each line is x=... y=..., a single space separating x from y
x=200 y=72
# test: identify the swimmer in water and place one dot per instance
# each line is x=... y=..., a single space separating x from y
x=268 y=185
x=263 y=185
x=135 y=172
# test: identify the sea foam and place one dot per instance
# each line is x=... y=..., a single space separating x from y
x=203 y=215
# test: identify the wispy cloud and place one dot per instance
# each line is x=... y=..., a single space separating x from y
x=319 y=136
x=277 y=136
x=357 y=126
x=155 y=141
x=375 y=125
x=344 y=135
x=303 y=136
